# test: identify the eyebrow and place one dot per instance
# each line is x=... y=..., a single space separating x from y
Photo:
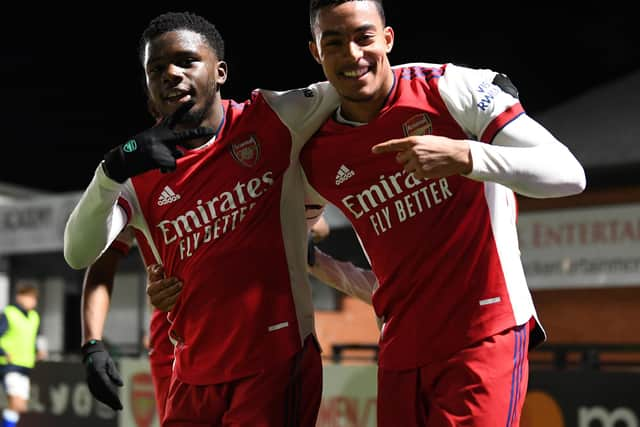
x=362 y=28
x=180 y=54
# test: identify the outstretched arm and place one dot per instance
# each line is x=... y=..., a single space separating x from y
x=344 y=276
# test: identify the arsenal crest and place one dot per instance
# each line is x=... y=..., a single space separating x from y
x=142 y=398
x=420 y=124
x=247 y=152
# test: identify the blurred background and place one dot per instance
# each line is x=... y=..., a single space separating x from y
x=72 y=84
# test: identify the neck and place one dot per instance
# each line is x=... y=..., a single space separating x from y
x=360 y=112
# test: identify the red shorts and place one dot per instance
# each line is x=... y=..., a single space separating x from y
x=481 y=386
x=287 y=395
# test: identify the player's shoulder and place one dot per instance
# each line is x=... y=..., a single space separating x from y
x=480 y=79
x=413 y=71
x=303 y=97
x=296 y=106
x=315 y=89
x=465 y=72
x=450 y=69
x=418 y=65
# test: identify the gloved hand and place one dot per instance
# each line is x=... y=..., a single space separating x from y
x=311 y=251
x=102 y=377
x=154 y=148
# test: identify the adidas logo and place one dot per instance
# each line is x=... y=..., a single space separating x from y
x=344 y=173
x=167 y=196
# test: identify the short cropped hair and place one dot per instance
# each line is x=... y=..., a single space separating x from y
x=316 y=5
x=174 y=21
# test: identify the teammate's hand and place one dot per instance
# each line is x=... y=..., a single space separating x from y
x=320 y=230
x=103 y=378
x=154 y=148
x=429 y=156
x=313 y=213
x=163 y=292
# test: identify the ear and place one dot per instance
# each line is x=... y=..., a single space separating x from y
x=389 y=37
x=313 y=48
x=223 y=72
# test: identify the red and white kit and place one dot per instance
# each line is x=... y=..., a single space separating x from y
x=445 y=251
x=230 y=223
x=475 y=287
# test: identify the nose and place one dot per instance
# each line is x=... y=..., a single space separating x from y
x=172 y=74
x=354 y=51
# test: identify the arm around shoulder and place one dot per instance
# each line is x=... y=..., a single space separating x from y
x=344 y=276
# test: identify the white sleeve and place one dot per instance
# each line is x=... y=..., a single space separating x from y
x=94 y=222
x=303 y=110
x=344 y=276
x=516 y=150
x=528 y=159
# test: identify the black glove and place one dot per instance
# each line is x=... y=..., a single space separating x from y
x=102 y=376
x=311 y=251
x=154 y=148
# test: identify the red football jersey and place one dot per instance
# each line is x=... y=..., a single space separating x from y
x=229 y=222
x=445 y=251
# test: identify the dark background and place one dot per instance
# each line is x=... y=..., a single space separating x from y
x=71 y=79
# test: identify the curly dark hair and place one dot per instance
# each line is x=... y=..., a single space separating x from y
x=172 y=21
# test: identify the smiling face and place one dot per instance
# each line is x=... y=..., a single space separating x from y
x=351 y=43
x=180 y=66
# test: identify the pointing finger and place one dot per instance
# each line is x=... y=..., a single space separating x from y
x=188 y=134
x=404 y=156
x=393 y=145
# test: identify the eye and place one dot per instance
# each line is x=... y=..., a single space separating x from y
x=366 y=38
x=331 y=42
x=186 y=63
x=154 y=68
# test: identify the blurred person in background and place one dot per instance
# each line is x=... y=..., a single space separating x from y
x=20 y=348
